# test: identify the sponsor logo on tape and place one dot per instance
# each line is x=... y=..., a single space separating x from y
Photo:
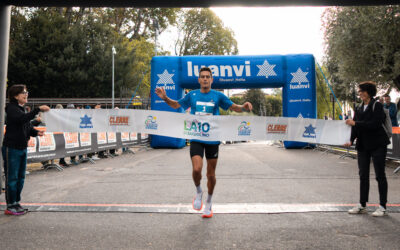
x=118 y=120
x=196 y=128
x=309 y=132
x=277 y=128
x=86 y=122
x=244 y=129
x=151 y=122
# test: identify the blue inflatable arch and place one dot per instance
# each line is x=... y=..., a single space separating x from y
x=294 y=73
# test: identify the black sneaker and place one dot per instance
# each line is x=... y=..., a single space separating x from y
x=20 y=208
x=13 y=210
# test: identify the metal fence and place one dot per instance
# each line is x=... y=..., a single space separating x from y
x=137 y=103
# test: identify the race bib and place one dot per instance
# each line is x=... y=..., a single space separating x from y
x=204 y=108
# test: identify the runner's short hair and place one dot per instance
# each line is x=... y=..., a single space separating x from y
x=205 y=69
x=369 y=87
x=15 y=90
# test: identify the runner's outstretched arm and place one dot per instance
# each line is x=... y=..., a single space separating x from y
x=240 y=108
x=163 y=95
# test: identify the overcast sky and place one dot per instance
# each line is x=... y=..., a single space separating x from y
x=265 y=31
x=280 y=30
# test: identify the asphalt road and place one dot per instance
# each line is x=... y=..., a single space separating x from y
x=248 y=173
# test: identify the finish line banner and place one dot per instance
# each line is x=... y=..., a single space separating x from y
x=206 y=128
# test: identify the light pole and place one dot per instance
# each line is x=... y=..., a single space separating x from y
x=333 y=105
x=5 y=20
x=113 y=53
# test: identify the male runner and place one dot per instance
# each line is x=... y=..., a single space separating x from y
x=204 y=101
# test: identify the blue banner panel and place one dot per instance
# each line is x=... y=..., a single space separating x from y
x=165 y=73
x=299 y=92
x=230 y=72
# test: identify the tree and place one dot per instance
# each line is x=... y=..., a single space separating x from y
x=362 y=43
x=37 y=39
x=66 y=52
x=201 y=32
x=257 y=98
x=61 y=53
x=324 y=104
x=273 y=105
x=237 y=99
x=133 y=67
x=135 y=23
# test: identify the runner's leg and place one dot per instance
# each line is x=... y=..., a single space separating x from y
x=196 y=153
x=197 y=164
x=212 y=159
x=211 y=180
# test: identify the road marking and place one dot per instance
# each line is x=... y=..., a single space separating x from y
x=229 y=208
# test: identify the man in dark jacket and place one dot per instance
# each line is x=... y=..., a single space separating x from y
x=392 y=110
x=18 y=132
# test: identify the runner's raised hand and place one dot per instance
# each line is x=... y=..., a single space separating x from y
x=160 y=92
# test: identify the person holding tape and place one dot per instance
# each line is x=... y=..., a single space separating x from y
x=204 y=101
x=18 y=132
x=372 y=141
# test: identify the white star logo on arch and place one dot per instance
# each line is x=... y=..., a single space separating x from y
x=165 y=78
x=266 y=69
x=299 y=76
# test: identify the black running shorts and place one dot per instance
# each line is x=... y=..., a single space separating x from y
x=198 y=148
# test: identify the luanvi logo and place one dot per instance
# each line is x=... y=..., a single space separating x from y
x=309 y=132
x=86 y=122
x=300 y=78
x=221 y=70
x=165 y=80
x=265 y=69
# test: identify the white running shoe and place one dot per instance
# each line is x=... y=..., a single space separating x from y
x=207 y=213
x=198 y=201
x=358 y=210
x=380 y=211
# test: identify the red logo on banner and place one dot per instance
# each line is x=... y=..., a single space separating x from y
x=276 y=128
x=119 y=120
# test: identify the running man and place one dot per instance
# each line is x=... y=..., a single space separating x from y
x=204 y=101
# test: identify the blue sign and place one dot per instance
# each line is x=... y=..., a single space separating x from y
x=295 y=74
x=235 y=71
